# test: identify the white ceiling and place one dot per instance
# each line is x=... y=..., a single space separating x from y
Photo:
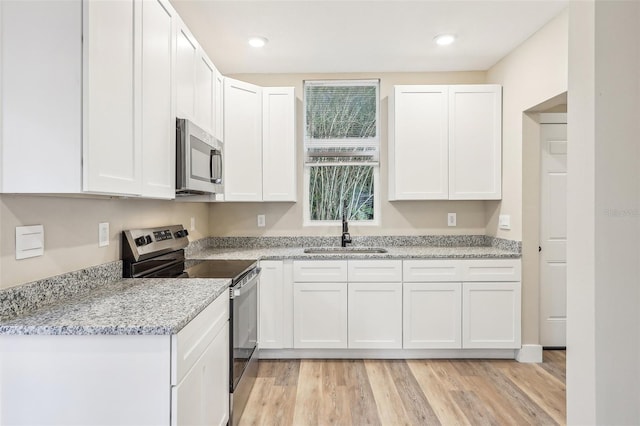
x=362 y=36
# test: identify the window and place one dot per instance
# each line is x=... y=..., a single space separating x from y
x=341 y=141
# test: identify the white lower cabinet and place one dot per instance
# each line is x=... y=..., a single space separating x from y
x=202 y=398
x=320 y=315
x=432 y=314
x=491 y=315
x=182 y=379
x=275 y=294
x=375 y=315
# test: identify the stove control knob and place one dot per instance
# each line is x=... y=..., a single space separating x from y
x=140 y=241
x=147 y=239
x=181 y=234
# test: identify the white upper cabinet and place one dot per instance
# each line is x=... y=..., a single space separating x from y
x=278 y=144
x=205 y=99
x=186 y=58
x=242 y=141
x=418 y=143
x=112 y=157
x=218 y=113
x=156 y=100
x=41 y=113
x=100 y=119
x=475 y=142
x=445 y=142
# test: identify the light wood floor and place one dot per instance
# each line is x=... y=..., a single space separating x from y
x=411 y=392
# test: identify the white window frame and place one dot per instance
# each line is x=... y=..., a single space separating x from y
x=342 y=143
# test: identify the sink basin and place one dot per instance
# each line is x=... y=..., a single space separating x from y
x=343 y=250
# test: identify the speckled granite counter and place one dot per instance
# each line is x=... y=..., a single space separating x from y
x=410 y=252
x=125 y=307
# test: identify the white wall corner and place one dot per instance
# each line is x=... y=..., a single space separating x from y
x=529 y=353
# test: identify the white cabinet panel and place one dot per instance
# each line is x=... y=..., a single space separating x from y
x=205 y=87
x=202 y=398
x=272 y=310
x=475 y=142
x=111 y=155
x=429 y=270
x=243 y=141
x=375 y=315
x=278 y=144
x=320 y=271
x=320 y=315
x=218 y=118
x=186 y=57
x=375 y=271
x=157 y=90
x=491 y=270
x=418 y=143
x=432 y=315
x=491 y=315
x=41 y=111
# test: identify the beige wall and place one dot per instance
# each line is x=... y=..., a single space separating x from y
x=398 y=218
x=531 y=75
x=71 y=230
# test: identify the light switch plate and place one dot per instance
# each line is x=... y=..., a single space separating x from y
x=451 y=219
x=261 y=221
x=29 y=241
x=103 y=234
x=504 y=221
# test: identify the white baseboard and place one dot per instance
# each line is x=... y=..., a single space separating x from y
x=387 y=353
x=529 y=353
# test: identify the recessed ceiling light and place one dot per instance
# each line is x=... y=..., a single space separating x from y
x=444 y=39
x=257 y=41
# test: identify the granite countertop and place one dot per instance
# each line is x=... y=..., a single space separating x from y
x=151 y=306
x=406 y=252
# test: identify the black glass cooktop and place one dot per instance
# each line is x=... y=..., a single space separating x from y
x=218 y=268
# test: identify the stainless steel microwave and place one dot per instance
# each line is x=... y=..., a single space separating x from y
x=199 y=160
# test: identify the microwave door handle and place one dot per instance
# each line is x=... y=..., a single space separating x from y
x=218 y=154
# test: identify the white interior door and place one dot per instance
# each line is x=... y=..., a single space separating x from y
x=553 y=235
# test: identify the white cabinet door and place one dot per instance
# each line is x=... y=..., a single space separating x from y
x=491 y=315
x=112 y=157
x=418 y=141
x=272 y=306
x=432 y=315
x=205 y=87
x=186 y=57
x=202 y=397
x=156 y=99
x=475 y=142
x=375 y=315
x=279 y=144
x=41 y=113
x=242 y=141
x=320 y=315
x=320 y=270
x=218 y=122
x=375 y=270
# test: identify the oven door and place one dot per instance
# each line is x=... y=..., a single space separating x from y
x=244 y=324
x=243 y=346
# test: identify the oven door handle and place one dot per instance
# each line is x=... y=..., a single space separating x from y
x=236 y=292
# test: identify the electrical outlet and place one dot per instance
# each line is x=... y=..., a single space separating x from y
x=193 y=224
x=451 y=219
x=261 y=221
x=504 y=221
x=103 y=234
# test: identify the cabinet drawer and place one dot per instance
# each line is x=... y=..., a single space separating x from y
x=375 y=270
x=313 y=271
x=191 y=342
x=432 y=270
x=491 y=270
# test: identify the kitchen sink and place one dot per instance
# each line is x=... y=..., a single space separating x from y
x=342 y=250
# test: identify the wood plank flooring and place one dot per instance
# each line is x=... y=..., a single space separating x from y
x=411 y=392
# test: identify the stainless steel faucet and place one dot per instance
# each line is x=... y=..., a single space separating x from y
x=346 y=237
